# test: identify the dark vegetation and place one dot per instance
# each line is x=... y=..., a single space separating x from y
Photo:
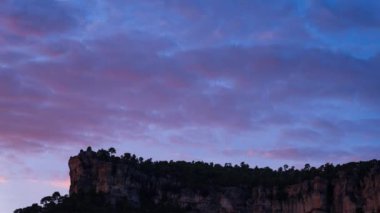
x=196 y=175
x=90 y=203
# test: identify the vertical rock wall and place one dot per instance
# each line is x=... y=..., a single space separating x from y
x=346 y=194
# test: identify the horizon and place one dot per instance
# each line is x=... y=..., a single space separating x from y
x=268 y=84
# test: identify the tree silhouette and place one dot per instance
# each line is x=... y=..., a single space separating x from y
x=307 y=167
x=112 y=150
x=286 y=167
x=46 y=200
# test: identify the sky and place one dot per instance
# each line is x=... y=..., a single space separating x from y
x=264 y=82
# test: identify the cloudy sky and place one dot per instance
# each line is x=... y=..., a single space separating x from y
x=265 y=82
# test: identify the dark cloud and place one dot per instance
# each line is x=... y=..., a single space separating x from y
x=35 y=17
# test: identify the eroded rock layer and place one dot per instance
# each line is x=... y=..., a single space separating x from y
x=344 y=192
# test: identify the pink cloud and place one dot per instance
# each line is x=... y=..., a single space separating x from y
x=82 y=94
x=3 y=179
x=64 y=184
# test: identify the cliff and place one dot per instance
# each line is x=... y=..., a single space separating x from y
x=348 y=188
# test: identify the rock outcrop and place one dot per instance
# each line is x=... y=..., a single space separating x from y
x=346 y=193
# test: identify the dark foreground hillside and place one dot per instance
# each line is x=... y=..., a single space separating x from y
x=102 y=182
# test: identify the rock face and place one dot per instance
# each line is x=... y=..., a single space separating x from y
x=345 y=193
